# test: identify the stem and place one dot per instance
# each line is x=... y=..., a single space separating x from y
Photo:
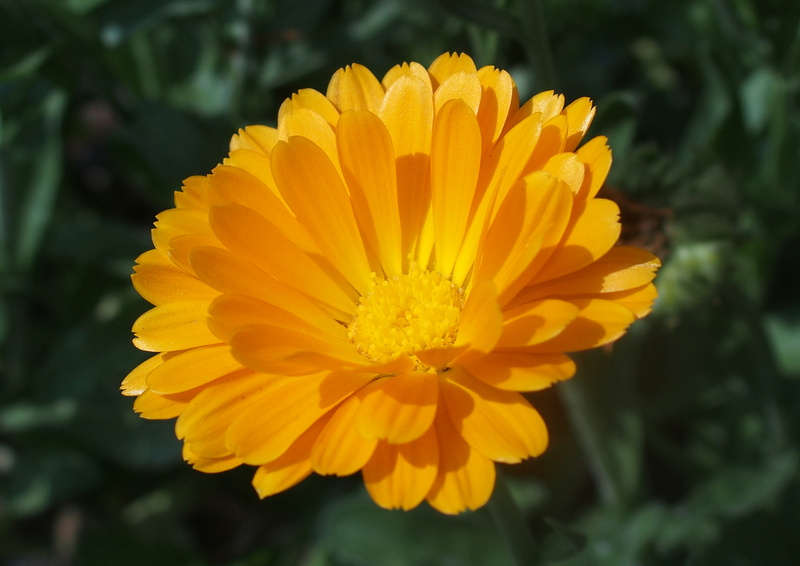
x=537 y=42
x=511 y=525
x=587 y=430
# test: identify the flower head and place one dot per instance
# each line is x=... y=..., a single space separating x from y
x=370 y=285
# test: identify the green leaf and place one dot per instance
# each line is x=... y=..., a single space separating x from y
x=41 y=195
x=758 y=94
x=485 y=15
x=358 y=532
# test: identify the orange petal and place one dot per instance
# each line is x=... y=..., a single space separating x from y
x=406 y=70
x=455 y=161
x=368 y=164
x=204 y=422
x=400 y=408
x=501 y=425
x=232 y=274
x=325 y=210
x=136 y=381
x=151 y=405
x=253 y=237
x=466 y=477
x=460 y=86
x=174 y=326
x=481 y=321
x=166 y=284
x=599 y=322
x=497 y=98
x=593 y=232
x=312 y=100
x=355 y=87
x=292 y=467
x=340 y=449
x=192 y=368
x=210 y=465
x=567 y=167
x=536 y=322
x=401 y=475
x=551 y=142
x=273 y=349
x=407 y=111
x=597 y=156
x=639 y=301
x=514 y=371
x=579 y=116
x=622 y=268
x=446 y=65
x=266 y=430
x=546 y=103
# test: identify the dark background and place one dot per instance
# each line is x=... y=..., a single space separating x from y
x=678 y=445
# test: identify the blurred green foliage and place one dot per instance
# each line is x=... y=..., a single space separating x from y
x=677 y=446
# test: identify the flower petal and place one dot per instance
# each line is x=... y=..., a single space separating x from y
x=455 y=160
x=174 y=326
x=460 y=86
x=292 y=467
x=579 y=116
x=535 y=322
x=515 y=371
x=355 y=87
x=501 y=425
x=192 y=368
x=326 y=212
x=136 y=381
x=160 y=285
x=400 y=408
x=446 y=65
x=599 y=322
x=340 y=449
x=497 y=100
x=368 y=164
x=466 y=477
x=265 y=431
x=401 y=475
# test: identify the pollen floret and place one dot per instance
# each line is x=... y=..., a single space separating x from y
x=405 y=314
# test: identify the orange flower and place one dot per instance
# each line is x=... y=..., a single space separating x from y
x=370 y=285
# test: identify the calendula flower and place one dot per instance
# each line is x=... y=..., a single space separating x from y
x=370 y=285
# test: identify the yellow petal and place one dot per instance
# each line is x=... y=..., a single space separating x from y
x=260 y=242
x=400 y=408
x=515 y=371
x=229 y=313
x=204 y=422
x=210 y=465
x=325 y=211
x=355 y=87
x=481 y=321
x=639 y=301
x=446 y=65
x=265 y=431
x=368 y=164
x=466 y=477
x=192 y=368
x=597 y=156
x=308 y=124
x=312 y=100
x=547 y=103
x=273 y=349
x=593 y=232
x=500 y=171
x=536 y=322
x=340 y=450
x=401 y=475
x=567 y=167
x=460 y=86
x=622 y=268
x=174 y=326
x=599 y=322
x=497 y=99
x=404 y=70
x=292 y=467
x=255 y=138
x=455 y=161
x=193 y=193
x=579 y=116
x=232 y=274
x=407 y=111
x=235 y=185
x=258 y=165
x=551 y=142
x=151 y=405
x=166 y=284
x=501 y=425
x=136 y=381
x=181 y=247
